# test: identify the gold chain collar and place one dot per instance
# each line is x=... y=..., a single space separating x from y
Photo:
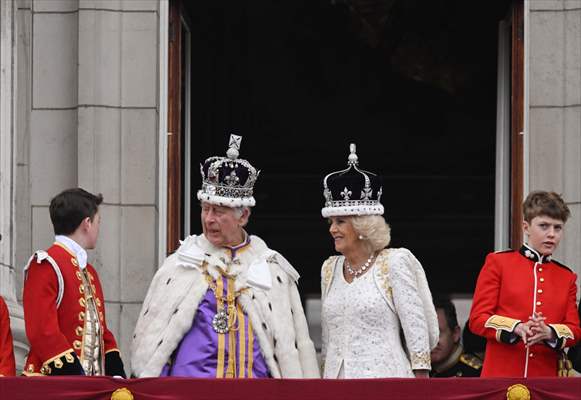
x=226 y=317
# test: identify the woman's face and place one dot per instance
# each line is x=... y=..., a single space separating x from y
x=343 y=234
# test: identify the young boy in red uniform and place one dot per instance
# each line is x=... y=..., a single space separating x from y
x=64 y=308
x=7 y=365
x=525 y=302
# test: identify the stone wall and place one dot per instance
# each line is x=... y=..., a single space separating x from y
x=88 y=117
x=554 y=81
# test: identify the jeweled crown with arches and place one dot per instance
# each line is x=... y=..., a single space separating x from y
x=228 y=181
x=352 y=191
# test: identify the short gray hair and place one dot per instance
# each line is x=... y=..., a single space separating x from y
x=375 y=231
x=238 y=211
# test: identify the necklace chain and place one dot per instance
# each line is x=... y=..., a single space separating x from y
x=355 y=272
x=225 y=319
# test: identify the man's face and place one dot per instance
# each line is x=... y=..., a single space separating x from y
x=449 y=338
x=222 y=226
x=544 y=233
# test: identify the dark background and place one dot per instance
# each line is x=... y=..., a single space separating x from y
x=411 y=82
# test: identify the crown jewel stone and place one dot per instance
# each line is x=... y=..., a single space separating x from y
x=232 y=179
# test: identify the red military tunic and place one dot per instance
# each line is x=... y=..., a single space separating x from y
x=511 y=286
x=55 y=333
x=7 y=365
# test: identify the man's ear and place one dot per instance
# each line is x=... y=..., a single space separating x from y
x=243 y=220
x=86 y=223
x=456 y=334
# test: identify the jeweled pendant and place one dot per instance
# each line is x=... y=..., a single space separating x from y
x=220 y=321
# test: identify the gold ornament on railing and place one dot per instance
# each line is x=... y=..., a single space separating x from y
x=518 y=392
x=122 y=394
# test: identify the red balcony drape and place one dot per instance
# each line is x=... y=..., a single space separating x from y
x=97 y=388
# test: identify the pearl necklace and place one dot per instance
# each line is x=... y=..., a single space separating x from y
x=358 y=271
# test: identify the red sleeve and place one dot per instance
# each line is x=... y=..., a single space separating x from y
x=7 y=364
x=485 y=302
x=40 y=312
x=572 y=315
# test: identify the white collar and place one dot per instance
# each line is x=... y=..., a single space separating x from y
x=73 y=246
x=192 y=254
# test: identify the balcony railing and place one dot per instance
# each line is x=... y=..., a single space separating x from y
x=105 y=388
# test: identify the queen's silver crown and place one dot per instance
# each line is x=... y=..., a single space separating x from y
x=352 y=191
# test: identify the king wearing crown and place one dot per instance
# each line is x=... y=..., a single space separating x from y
x=224 y=305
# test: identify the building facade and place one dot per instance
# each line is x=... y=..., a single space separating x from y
x=84 y=102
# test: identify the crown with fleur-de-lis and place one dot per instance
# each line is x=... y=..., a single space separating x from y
x=228 y=181
x=352 y=191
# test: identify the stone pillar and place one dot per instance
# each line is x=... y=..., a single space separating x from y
x=8 y=161
x=117 y=147
x=555 y=111
x=88 y=116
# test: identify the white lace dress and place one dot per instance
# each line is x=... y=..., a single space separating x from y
x=361 y=330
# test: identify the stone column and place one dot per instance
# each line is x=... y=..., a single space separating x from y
x=555 y=111
x=117 y=147
x=8 y=157
x=88 y=117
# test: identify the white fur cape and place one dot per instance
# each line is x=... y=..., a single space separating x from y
x=273 y=305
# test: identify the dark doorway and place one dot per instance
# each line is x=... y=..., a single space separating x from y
x=411 y=82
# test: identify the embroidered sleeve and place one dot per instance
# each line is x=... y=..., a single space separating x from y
x=382 y=266
x=326 y=275
x=409 y=308
x=500 y=322
x=483 y=320
x=66 y=363
x=43 y=329
x=563 y=333
x=504 y=327
x=567 y=329
x=420 y=360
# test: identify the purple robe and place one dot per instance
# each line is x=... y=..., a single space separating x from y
x=200 y=350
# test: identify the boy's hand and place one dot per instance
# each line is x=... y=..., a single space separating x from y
x=540 y=330
x=523 y=330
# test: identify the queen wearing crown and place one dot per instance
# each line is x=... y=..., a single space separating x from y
x=378 y=318
x=224 y=305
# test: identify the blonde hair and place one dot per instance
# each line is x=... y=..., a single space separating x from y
x=375 y=231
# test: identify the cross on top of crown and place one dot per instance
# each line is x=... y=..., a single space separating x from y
x=234 y=147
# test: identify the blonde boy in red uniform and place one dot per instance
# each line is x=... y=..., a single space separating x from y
x=525 y=302
x=64 y=308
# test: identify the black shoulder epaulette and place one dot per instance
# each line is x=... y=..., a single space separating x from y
x=471 y=360
x=503 y=251
x=561 y=264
